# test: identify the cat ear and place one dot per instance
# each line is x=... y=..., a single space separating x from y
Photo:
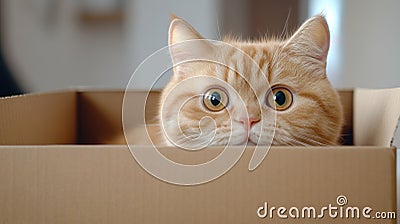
x=185 y=43
x=312 y=38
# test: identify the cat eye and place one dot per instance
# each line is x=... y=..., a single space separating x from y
x=215 y=99
x=279 y=98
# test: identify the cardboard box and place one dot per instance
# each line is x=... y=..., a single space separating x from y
x=54 y=167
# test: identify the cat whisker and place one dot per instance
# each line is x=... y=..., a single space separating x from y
x=218 y=29
x=314 y=139
x=311 y=140
x=196 y=138
x=320 y=139
x=285 y=27
x=289 y=140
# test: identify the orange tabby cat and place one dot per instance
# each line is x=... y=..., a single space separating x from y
x=209 y=103
x=246 y=92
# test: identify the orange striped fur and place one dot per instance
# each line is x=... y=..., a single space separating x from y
x=297 y=63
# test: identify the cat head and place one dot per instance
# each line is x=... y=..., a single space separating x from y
x=237 y=92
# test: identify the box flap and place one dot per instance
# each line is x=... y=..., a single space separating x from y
x=100 y=114
x=346 y=98
x=376 y=114
x=40 y=118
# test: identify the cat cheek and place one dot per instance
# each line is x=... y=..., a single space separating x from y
x=237 y=135
x=261 y=138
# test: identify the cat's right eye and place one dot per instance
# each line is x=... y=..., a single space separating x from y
x=215 y=99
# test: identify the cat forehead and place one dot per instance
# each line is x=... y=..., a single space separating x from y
x=249 y=59
x=248 y=65
x=245 y=67
x=246 y=85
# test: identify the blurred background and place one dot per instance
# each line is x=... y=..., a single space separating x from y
x=58 y=44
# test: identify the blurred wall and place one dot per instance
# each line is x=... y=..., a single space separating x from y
x=254 y=19
x=370 y=41
x=147 y=30
x=50 y=50
x=55 y=51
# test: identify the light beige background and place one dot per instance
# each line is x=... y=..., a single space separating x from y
x=63 y=53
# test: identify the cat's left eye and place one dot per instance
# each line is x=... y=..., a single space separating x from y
x=279 y=98
x=215 y=99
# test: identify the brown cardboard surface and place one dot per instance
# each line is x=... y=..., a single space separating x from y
x=47 y=181
x=346 y=97
x=43 y=118
x=103 y=184
x=100 y=113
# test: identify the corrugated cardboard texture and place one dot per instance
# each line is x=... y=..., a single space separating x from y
x=346 y=97
x=100 y=113
x=34 y=119
x=377 y=113
x=103 y=184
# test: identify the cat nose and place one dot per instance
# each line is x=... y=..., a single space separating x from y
x=249 y=121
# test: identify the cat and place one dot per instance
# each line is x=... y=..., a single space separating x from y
x=267 y=91
x=200 y=104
